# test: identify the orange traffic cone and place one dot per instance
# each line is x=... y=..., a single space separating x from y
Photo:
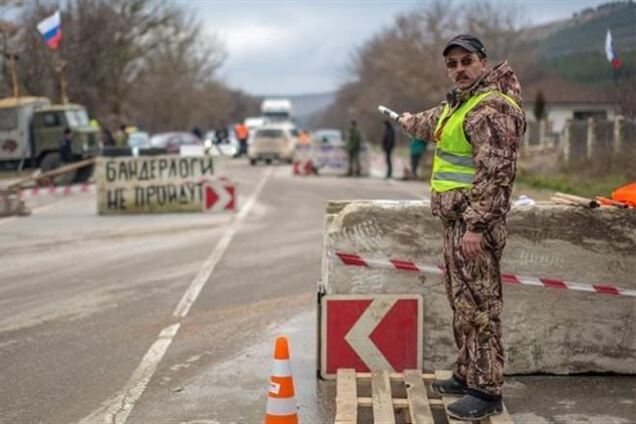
x=281 y=400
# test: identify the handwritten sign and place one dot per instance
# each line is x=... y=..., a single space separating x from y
x=151 y=184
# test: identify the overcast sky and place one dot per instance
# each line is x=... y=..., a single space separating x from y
x=301 y=47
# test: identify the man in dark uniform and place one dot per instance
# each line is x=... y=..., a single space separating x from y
x=354 y=144
x=477 y=132
x=66 y=147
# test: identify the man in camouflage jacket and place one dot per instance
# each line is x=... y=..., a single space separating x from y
x=471 y=195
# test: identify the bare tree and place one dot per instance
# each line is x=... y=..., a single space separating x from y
x=401 y=66
x=144 y=62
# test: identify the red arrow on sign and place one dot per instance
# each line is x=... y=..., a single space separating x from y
x=371 y=332
x=219 y=195
x=210 y=197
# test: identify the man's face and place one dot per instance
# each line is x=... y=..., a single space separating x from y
x=464 y=67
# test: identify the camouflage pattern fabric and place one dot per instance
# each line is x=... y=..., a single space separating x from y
x=473 y=287
x=494 y=128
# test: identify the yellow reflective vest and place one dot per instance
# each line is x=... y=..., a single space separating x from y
x=453 y=166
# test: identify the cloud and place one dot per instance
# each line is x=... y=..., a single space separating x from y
x=292 y=47
x=298 y=47
x=244 y=40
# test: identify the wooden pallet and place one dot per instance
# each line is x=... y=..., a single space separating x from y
x=417 y=407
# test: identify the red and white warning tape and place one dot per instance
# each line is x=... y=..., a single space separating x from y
x=58 y=190
x=357 y=260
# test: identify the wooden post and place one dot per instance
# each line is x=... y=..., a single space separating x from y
x=542 y=140
x=591 y=137
x=619 y=123
x=526 y=136
x=567 y=140
x=55 y=172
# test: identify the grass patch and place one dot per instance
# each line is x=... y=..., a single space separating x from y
x=575 y=184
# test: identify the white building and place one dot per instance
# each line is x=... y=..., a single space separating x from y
x=565 y=100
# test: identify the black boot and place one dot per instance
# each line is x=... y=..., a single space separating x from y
x=451 y=386
x=474 y=407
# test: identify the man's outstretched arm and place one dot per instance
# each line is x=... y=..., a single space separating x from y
x=421 y=125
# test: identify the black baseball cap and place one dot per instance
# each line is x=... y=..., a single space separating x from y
x=467 y=42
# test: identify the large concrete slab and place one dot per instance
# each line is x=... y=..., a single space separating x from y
x=545 y=330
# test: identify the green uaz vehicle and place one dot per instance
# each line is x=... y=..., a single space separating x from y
x=31 y=129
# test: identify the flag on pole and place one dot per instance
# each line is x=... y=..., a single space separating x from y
x=51 y=30
x=609 y=52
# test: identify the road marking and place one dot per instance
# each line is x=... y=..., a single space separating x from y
x=117 y=409
x=210 y=263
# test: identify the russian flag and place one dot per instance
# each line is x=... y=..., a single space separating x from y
x=609 y=52
x=51 y=30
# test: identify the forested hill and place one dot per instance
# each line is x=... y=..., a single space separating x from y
x=575 y=48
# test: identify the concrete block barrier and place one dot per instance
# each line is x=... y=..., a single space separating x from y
x=546 y=330
x=11 y=204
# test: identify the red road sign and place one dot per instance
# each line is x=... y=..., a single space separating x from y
x=370 y=332
x=303 y=167
x=218 y=195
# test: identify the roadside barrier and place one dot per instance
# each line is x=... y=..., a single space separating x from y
x=57 y=190
x=219 y=195
x=397 y=264
x=303 y=167
x=281 y=400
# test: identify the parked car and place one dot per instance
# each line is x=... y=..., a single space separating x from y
x=272 y=143
x=173 y=141
x=328 y=136
x=139 y=140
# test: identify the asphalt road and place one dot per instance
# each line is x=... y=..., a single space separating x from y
x=171 y=318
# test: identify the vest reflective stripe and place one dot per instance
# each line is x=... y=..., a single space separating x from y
x=455 y=159
x=453 y=165
x=454 y=176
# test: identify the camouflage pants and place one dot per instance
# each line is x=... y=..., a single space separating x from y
x=474 y=292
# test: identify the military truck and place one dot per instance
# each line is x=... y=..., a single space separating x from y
x=31 y=129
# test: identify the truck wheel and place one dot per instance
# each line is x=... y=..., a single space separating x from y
x=84 y=174
x=252 y=162
x=268 y=161
x=50 y=162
